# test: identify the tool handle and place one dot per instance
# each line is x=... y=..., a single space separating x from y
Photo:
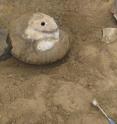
x=111 y=121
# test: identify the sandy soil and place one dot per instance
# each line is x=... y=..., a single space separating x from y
x=61 y=93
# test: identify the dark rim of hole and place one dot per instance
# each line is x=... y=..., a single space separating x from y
x=43 y=23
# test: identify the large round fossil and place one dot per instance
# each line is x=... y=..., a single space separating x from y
x=36 y=39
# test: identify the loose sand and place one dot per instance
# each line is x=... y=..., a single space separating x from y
x=61 y=93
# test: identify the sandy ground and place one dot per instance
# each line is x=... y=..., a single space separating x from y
x=61 y=93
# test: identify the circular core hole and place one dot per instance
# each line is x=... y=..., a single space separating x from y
x=42 y=23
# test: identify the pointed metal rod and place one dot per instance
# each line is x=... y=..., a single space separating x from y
x=96 y=104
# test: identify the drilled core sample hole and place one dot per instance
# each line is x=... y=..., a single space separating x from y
x=42 y=23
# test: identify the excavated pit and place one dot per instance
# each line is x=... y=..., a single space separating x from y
x=61 y=93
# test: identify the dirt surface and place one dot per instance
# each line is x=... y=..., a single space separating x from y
x=61 y=93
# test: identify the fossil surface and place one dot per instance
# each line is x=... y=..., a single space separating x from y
x=36 y=39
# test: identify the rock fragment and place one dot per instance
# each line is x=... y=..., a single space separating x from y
x=5 y=46
x=114 y=9
x=109 y=35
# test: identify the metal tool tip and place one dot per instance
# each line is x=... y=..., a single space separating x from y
x=94 y=102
